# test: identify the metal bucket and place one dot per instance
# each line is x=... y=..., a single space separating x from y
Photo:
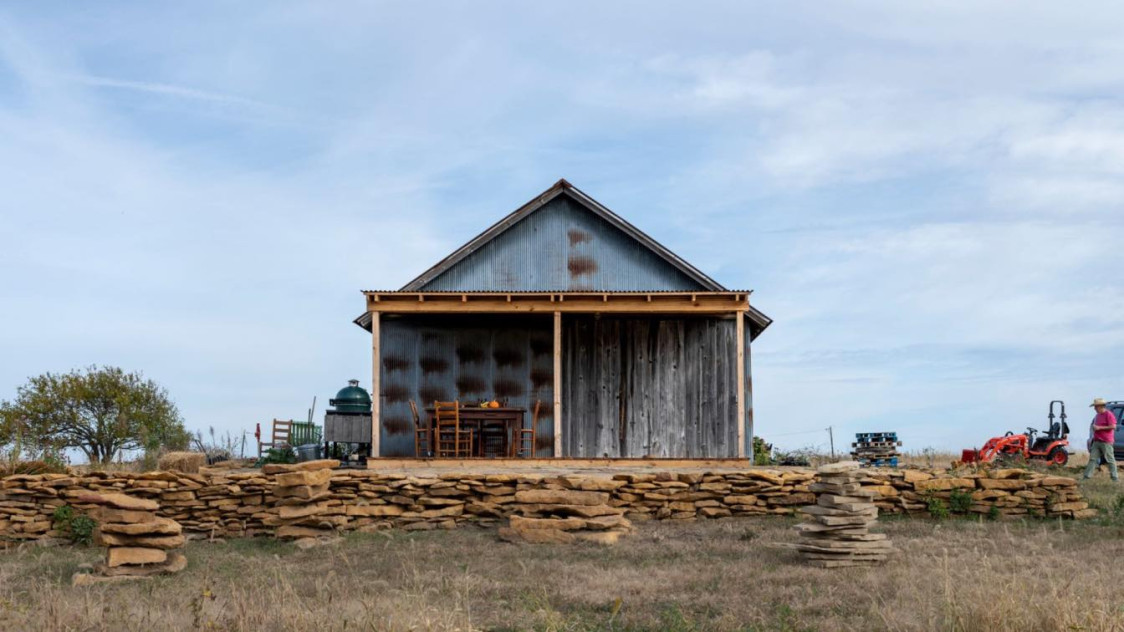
x=308 y=452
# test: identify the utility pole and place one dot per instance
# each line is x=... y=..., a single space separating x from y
x=831 y=438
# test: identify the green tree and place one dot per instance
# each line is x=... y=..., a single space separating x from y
x=100 y=410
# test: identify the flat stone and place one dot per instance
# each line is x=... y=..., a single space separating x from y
x=442 y=512
x=165 y=542
x=714 y=512
x=560 y=497
x=304 y=477
x=944 y=484
x=301 y=491
x=282 y=468
x=1001 y=483
x=301 y=511
x=589 y=484
x=914 y=476
x=1074 y=506
x=793 y=499
x=833 y=488
x=375 y=510
x=439 y=502
x=159 y=525
x=120 y=555
x=175 y=563
x=771 y=476
x=293 y=532
x=122 y=516
x=601 y=523
x=119 y=501
x=838 y=468
x=519 y=523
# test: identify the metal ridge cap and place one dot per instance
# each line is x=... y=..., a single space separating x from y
x=547 y=292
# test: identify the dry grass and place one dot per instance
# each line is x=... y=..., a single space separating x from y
x=188 y=462
x=717 y=575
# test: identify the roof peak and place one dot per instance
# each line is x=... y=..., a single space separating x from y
x=563 y=186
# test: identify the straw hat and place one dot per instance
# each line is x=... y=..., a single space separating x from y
x=1097 y=402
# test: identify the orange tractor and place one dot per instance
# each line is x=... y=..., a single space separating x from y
x=1052 y=446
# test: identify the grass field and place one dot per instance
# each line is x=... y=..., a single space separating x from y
x=716 y=575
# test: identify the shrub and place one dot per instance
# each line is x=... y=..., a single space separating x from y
x=960 y=501
x=79 y=528
x=762 y=452
x=799 y=458
x=936 y=507
x=284 y=454
x=993 y=513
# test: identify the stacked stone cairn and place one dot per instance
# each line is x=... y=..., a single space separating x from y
x=140 y=543
x=304 y=509
x=564 y=516
x=836 y=530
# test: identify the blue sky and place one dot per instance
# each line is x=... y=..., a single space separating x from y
x=928 y=200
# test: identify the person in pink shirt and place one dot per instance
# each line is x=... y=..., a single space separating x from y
x=1104 y=433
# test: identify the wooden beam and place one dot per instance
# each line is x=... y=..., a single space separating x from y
x=571 y=305
x=557 y=384
x=376 y=387
x=741 y=385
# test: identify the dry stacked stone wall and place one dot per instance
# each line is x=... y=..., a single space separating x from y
x=254 y=502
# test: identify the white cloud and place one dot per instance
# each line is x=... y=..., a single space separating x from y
x=921 y=195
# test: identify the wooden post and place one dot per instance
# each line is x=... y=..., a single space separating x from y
x=741 y=384
x=376 y=389
x=557 y=384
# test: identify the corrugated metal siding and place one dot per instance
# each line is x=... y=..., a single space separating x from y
x=562 y=246
x=635 y=387
x=470 y=358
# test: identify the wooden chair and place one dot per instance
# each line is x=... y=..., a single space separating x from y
x=423 y=434
x=282 y=433
x=493 y=440
x=452 y=440
x=525 y=442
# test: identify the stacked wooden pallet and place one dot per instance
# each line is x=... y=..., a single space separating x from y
x=876 y=449
x=836 y=530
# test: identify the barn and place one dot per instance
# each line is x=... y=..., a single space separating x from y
x=627 y=350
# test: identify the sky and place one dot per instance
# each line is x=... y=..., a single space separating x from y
x=927 y=198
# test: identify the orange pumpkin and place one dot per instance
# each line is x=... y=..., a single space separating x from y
x=495 y=404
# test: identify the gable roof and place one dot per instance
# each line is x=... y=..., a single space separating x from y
x=562 y=188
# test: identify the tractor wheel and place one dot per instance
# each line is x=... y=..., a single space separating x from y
x=1058 y=456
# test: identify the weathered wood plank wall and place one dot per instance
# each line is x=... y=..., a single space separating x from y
x=748 y=386
x=635 y=387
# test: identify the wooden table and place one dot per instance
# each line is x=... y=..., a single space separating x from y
x=477 y=416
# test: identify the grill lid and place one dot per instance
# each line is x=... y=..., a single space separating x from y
x=352 y=399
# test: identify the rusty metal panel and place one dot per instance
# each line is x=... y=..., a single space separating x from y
x=467 y=358
x=563 y=246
